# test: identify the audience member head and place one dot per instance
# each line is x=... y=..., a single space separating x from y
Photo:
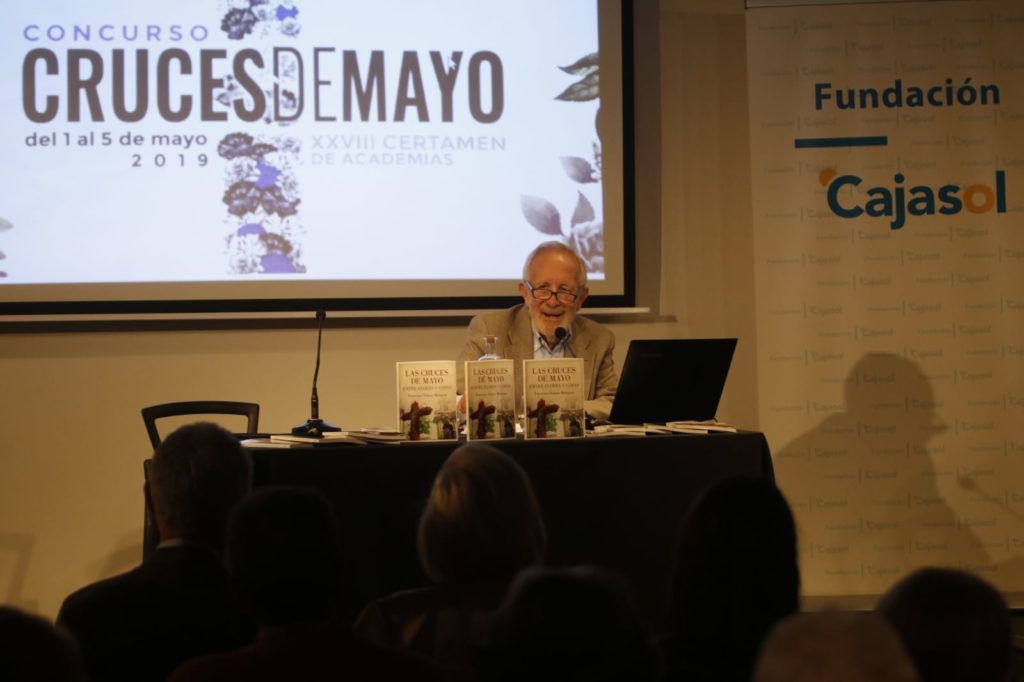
x=735 y=572
x=955 y=625
x=482 y=521
x=553 y=267
x=834 y=646
x=285 y=558
x=32 y=649
x=568 y=624
x=197 y=475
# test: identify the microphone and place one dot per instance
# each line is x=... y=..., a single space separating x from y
x=560 y=334
x=314 y=427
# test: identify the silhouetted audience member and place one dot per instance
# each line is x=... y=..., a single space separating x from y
x=285 y=557
x=834 y=646
x=954 y=624
x=567 y=624
x=735 y=575
x=480 y=527
x=177 y=604
x=33 y=650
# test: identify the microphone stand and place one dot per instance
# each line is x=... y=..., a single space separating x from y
x=560 y=334
x=314 y=427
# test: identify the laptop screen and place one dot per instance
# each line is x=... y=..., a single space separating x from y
x=667 y=380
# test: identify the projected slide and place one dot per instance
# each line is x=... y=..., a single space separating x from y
x=339 y=143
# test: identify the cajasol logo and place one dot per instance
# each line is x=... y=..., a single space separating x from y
x=897 y=201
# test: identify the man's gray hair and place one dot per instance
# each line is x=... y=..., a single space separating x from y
x=197 y=475
x=544 y=247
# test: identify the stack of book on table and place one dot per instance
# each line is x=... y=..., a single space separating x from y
x=688 y=426
x=331 y=438
x=705 y=426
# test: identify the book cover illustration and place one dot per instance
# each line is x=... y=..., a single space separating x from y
x=490 y=399
x=554 y=395
x=426 y=400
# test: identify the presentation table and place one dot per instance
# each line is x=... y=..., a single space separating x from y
x=611 y=501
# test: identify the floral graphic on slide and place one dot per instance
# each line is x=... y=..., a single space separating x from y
x=262 y=198
x=5 y=225
x=585 y=232
x=245 y=16
x=262 y=195
x=279 y=79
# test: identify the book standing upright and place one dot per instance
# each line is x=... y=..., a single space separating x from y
x=554 y=394
x=490 y=399
x=426 y=400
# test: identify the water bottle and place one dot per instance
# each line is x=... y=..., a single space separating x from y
x=490 y=348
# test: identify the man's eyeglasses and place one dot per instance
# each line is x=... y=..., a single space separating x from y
x=566 y=297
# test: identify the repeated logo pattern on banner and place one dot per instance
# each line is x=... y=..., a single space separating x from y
x=887 y=146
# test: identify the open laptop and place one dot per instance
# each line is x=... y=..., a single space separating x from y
x=667 y=380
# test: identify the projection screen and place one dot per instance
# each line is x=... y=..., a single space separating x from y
x=250 y=155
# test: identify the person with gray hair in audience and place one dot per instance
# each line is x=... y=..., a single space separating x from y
x=177 y=604
x=481 y=526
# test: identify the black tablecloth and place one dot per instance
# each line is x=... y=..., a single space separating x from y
x=615 y=502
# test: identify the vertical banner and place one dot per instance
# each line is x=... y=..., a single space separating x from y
x=887 y=147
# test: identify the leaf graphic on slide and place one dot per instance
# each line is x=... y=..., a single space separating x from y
x=587 y=239
x=585 y=232
x=584 y=212
x=541 y=213
x=582 y=91
x=578 y=169
x=583 y=66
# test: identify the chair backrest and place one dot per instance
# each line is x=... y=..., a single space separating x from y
x=199 y=407
x=251 y=411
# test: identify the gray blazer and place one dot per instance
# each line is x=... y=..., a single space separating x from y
x=590 y=341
